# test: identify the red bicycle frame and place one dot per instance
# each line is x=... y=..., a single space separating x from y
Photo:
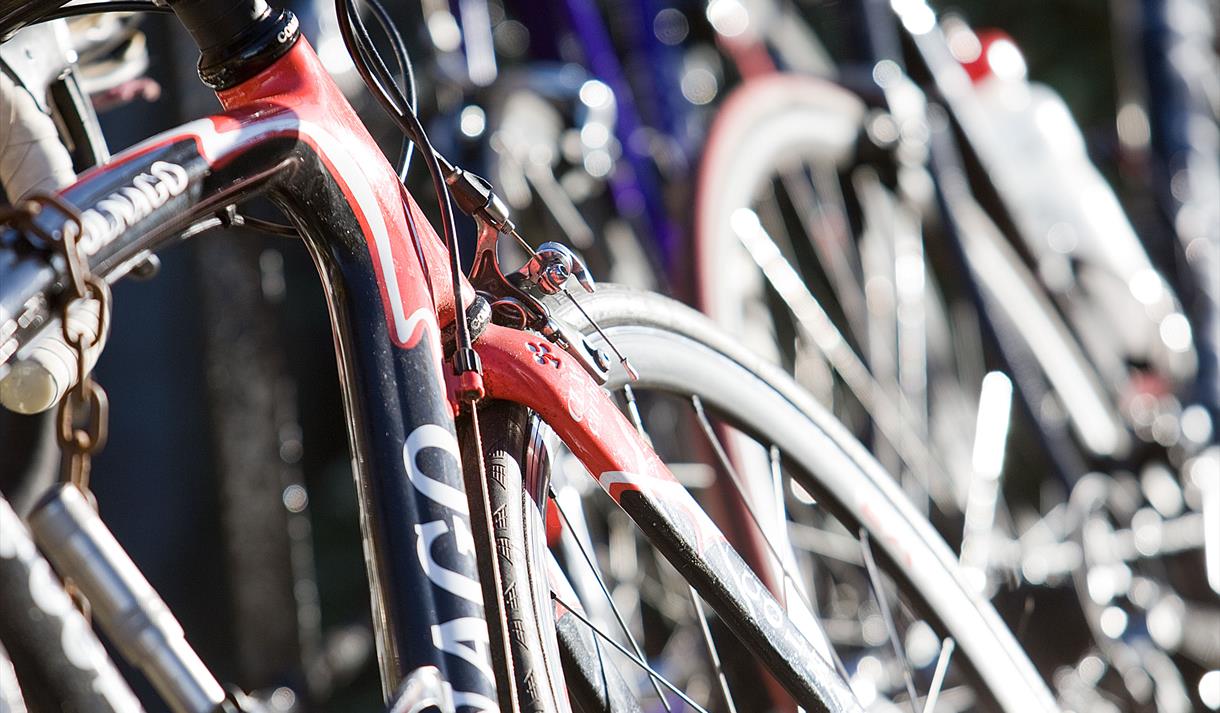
x=288 y=131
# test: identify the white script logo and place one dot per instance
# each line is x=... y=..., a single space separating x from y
x=127 y=206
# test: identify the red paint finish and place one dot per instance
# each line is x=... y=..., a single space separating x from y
x=298 y=86
x=749 y=54
x=554 y=525
x=590 y=423
x=579 y=410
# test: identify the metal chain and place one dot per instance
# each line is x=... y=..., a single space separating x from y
x=83 y=416
x=84 y=411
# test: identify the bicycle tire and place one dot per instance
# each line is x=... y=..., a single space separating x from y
x=676 y=349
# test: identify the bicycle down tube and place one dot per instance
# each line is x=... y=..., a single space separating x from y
x=288 y=131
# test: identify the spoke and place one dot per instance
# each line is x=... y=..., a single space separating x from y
x=874 y=577
x=771 y=213
x=711 y=648
x=983 y=494
x=830 y=244
x=618 y=615
x=831 y=545
x=938 y=678
x=633 y=410
x=777 y=477
x=892 y=417
x=822 y=644
x=777 y=488
x=1027 y=613
x=810 y=598
x=637 y=660
x=738 y=485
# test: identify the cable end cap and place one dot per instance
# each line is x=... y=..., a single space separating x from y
x=469 y=370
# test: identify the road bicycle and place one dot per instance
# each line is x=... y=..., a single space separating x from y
x=425 y=356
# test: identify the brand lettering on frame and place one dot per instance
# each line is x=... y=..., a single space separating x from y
x=120 y=210
x=465 y=637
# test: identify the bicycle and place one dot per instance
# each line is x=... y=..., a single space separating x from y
x=401 y=309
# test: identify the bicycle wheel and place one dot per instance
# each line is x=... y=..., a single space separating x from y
x=805 y=248
x=853 y=282
x=876 y=588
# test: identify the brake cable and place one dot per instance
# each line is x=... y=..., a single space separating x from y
x=466 y=364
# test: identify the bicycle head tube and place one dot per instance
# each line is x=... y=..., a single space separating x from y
x=237 y=38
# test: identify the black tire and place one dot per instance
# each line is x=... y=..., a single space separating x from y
x=514 y=526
